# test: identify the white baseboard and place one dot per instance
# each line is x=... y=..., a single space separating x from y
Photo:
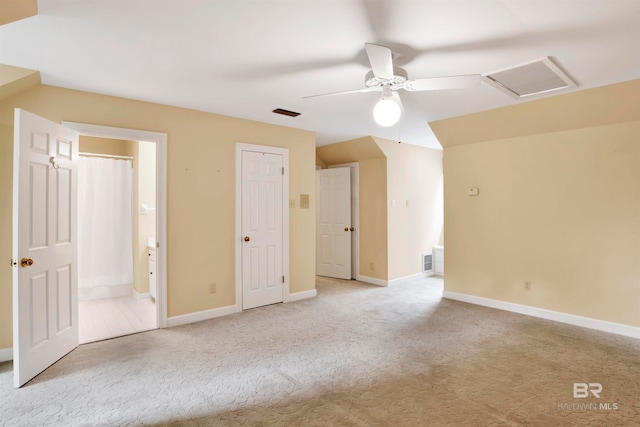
x=200 y=316
x=372 y=280
x=297 y=296
x=225 y=311
x=141 y=297
x=6 y=354
x=571 y=319
x=409 y=278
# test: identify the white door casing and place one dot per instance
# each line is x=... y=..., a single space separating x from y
x=262 y=206
x=160 y=139
x=45 y=293
x=333 y=238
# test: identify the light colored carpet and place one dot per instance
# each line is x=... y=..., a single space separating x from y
x=356 y=355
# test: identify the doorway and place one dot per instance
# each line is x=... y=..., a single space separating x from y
x=116 y=238
x=154 y=249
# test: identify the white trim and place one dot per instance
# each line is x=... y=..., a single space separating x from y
x=284 y=152
x=355 y=212
x=161 y=198
x=556 y=316
x=373 y=281
x=141 y=297
x=6 y=354
x=105 y=156
x=199 y=316
x=297 y=296
x=408 y=278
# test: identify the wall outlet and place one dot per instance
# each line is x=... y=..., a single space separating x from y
x=213 y=288
x=527 y=285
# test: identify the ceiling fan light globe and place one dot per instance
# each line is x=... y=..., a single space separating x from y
x=386 y=112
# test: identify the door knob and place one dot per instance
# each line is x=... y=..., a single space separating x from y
x=26 y=262
x=352 y=229
x=346 y=229
x=247 y=238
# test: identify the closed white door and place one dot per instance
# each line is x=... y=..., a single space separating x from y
x=45 y=291
x=333 y=239
x=262 y=242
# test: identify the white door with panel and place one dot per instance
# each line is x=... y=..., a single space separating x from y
x=45 y=291
x=333 y=238
x=262 y=229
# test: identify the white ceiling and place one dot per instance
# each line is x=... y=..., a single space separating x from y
x=244 y=58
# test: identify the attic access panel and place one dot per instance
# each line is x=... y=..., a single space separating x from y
x=529 y=79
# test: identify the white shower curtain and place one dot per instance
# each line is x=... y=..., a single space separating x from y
x=105 y=229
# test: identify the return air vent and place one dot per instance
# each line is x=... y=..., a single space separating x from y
x=285 y=112
x=529 y=79
x=427 y=262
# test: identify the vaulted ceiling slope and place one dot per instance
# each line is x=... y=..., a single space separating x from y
x=244 y=58
x=601 y=106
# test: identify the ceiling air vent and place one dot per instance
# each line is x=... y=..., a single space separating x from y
x=529 y=79
x=285 y=112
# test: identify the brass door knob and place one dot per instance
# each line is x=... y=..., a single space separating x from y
x=352 y=229
x=346 y=229
x=26 y=262
x=247 y=238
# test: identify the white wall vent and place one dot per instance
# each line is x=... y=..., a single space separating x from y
x=532 y=78
x=427 y=262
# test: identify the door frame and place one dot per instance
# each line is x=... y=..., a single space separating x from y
x=160 y=140
x=355 y=215
x=284 y=152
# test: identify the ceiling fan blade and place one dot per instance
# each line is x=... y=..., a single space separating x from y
x=368 y=89
x=440 y=83
x=381 y=60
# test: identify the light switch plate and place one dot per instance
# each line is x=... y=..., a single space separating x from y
x=304 y=201
x=472 y=191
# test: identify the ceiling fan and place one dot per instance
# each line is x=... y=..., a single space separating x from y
x=386 y=78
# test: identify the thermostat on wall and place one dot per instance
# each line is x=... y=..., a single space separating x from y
x=472 y=191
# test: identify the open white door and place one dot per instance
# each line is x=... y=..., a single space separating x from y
x=45 y=291
x=262 y=229
x=333 y=239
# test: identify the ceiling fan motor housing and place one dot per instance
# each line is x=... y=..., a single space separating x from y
x=399 y=77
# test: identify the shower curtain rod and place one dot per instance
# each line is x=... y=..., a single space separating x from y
x=108 y=156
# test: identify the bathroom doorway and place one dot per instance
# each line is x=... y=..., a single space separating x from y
x=116 y=237
x=157 y=141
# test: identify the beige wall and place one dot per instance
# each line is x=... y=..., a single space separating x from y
x=374 y=244
x=113 y=147
x=560 y=209
x=201 y=190
x=14 y=10
x=320 y=163
x=14 y=80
